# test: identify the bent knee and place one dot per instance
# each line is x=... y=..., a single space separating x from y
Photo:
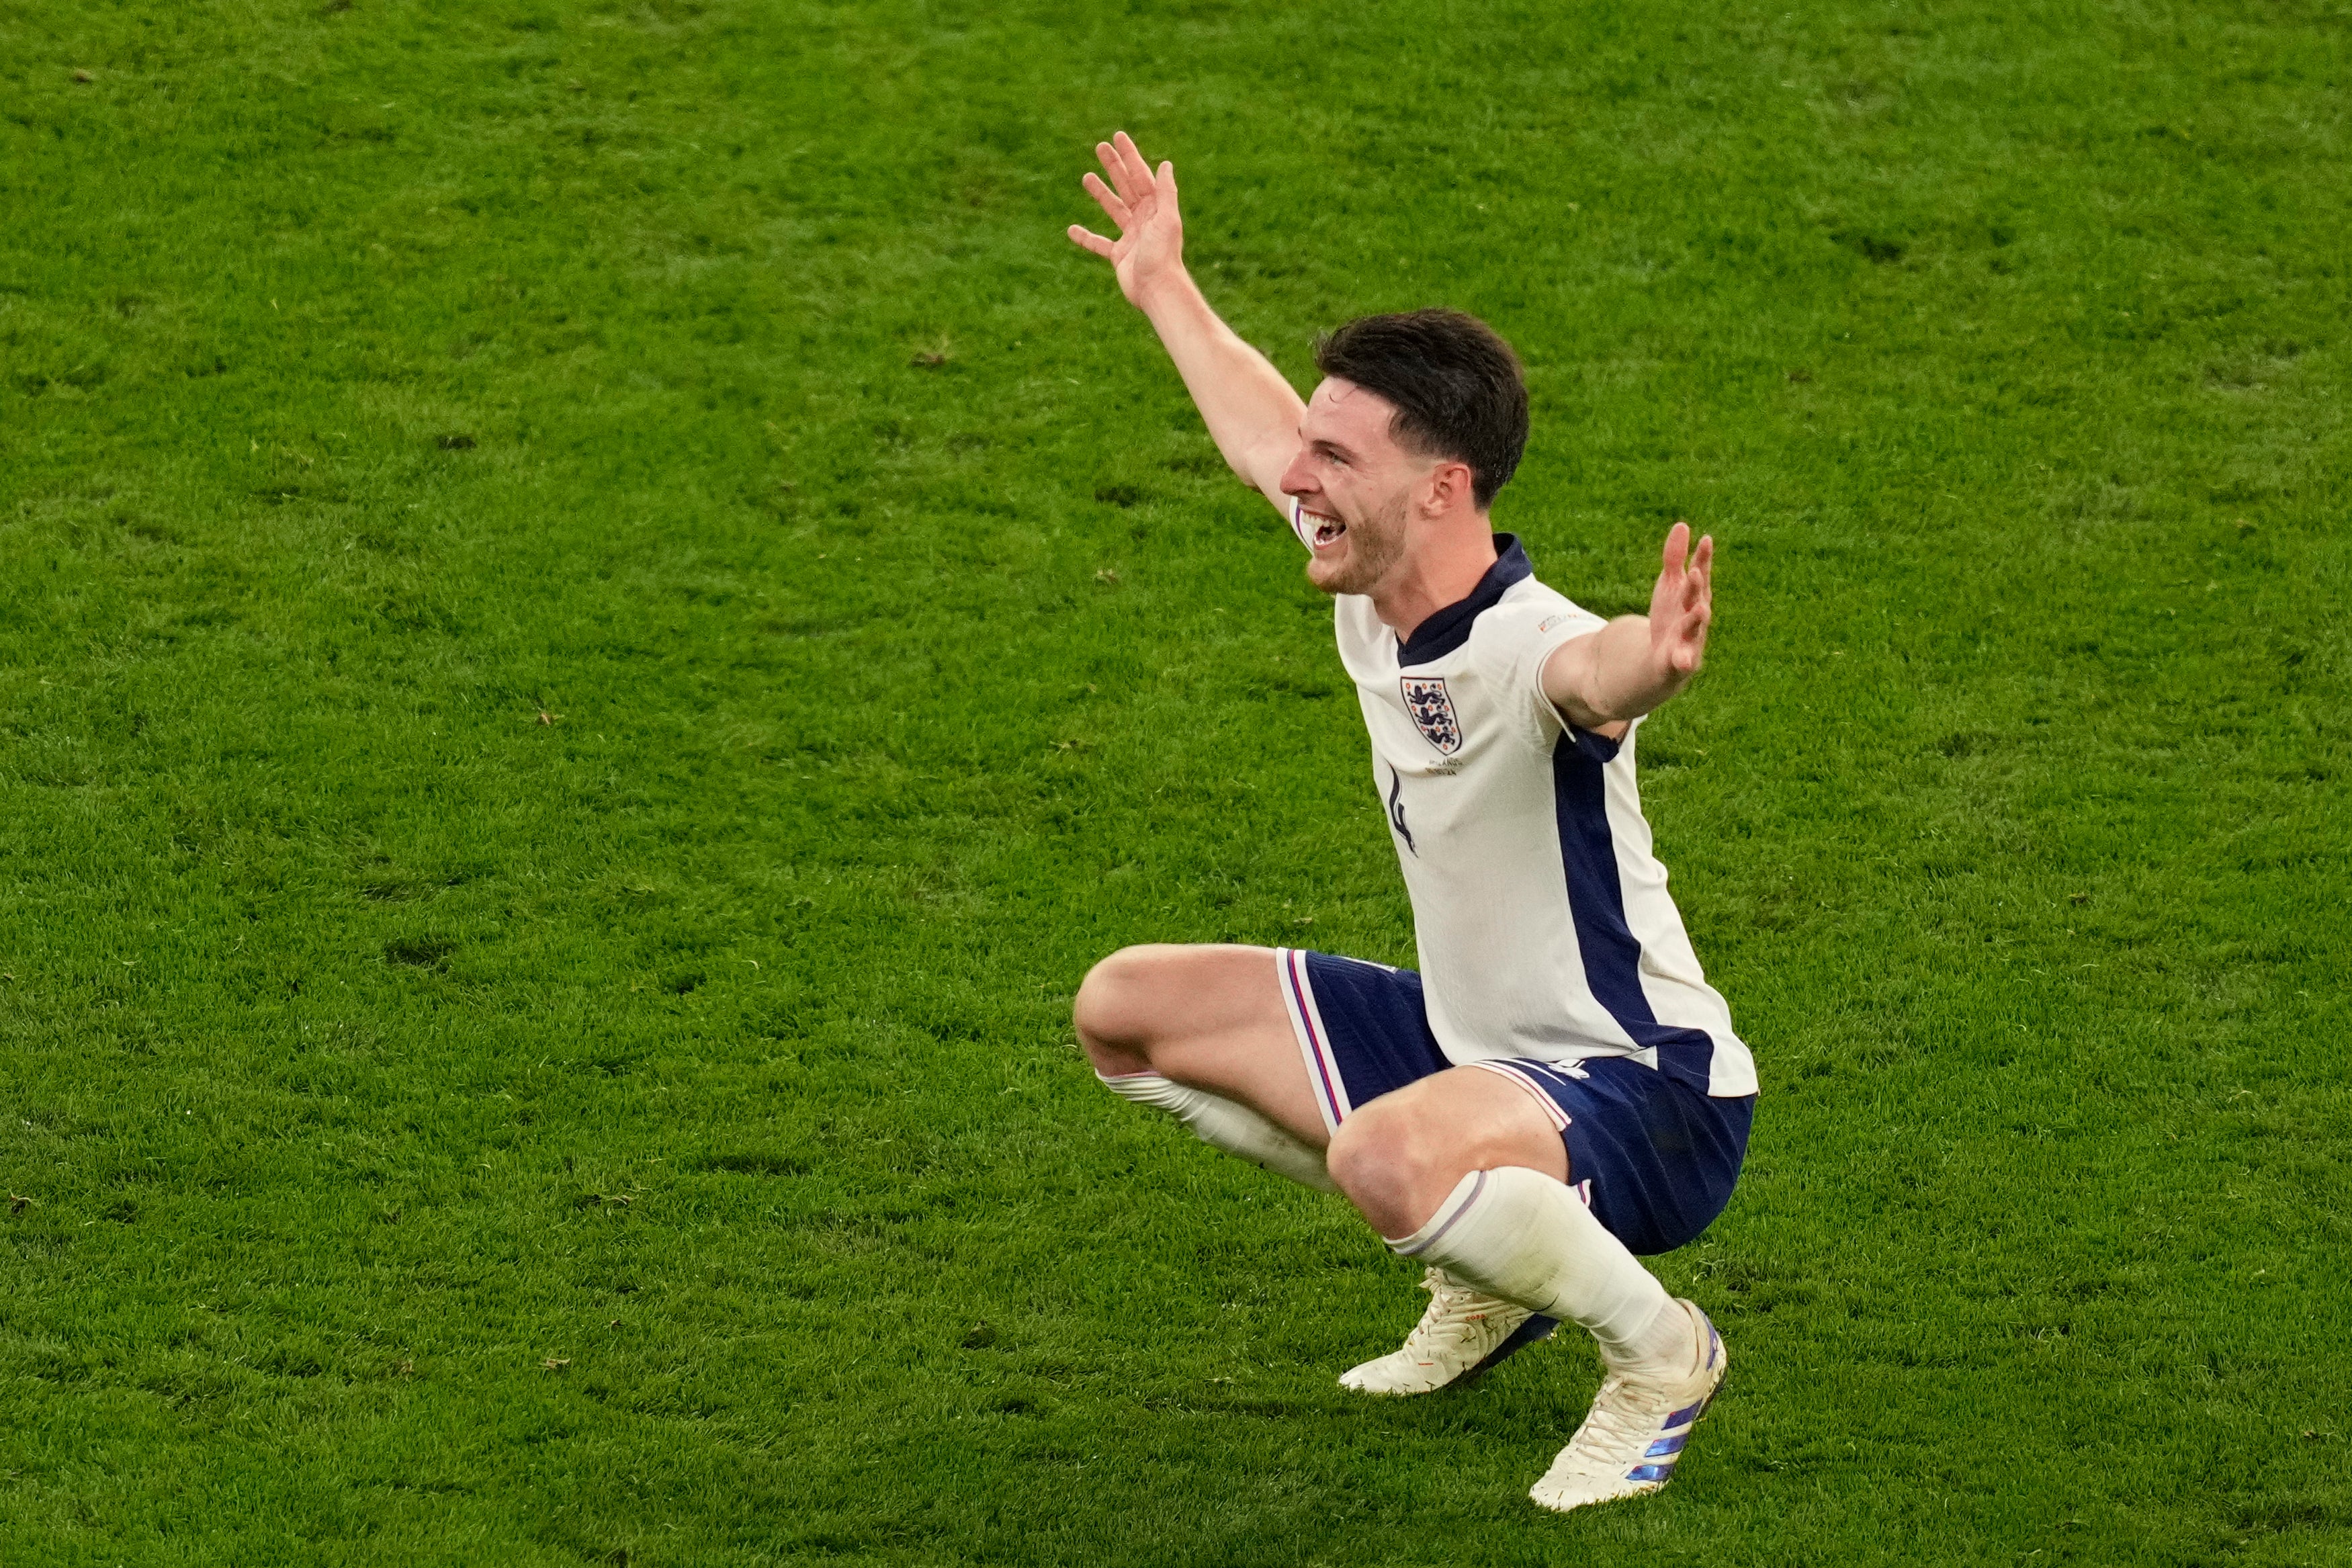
x=1108 y=1011
x=1387 y=1151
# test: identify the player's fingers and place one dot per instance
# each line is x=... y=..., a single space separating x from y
x=1693 y=646
x=1120 y=213
x=1138 y=171
x=1115 y=167
x=1087 y=240
x=1677 y=544
x=1702 y=564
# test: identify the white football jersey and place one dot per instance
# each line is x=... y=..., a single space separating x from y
x=1543 y=921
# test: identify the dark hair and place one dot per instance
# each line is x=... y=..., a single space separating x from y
x=1456 y=383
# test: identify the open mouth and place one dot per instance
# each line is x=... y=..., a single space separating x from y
x=1327 y=529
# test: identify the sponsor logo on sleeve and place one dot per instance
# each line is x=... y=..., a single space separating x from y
x=1432 y=711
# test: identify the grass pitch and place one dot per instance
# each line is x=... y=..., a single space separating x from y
x=600 y=618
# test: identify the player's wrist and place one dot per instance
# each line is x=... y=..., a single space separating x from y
x=1166 y=290
x=1665 y=684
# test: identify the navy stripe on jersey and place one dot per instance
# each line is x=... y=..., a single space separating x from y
x=1596 y=901
x=1449 y=629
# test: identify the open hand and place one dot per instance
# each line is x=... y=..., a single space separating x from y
x=1681 y=605
x=1149 y=248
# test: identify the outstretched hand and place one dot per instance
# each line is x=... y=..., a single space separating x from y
x=1149 y=248
x=1681 y=605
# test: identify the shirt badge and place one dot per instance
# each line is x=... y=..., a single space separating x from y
x=1433 y=710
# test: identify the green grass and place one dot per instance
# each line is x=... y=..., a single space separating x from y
x=376 y=380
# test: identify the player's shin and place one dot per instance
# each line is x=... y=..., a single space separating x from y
x=1519 y=1233
x=1226 y=1124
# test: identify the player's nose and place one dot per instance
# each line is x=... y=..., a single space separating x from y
x=1299 y=479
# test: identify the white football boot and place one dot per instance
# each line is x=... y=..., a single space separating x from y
x=1633 y=1438
x=1463 y=1334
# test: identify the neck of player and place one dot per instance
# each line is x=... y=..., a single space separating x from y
x=1446 y=559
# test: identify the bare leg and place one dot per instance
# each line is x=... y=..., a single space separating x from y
x=1397 y=1157
x=1211 y=1017
x=1465 y=1170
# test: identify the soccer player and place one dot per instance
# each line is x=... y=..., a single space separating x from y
x=1559 y=1089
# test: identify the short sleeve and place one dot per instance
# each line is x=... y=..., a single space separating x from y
x=1517 y=638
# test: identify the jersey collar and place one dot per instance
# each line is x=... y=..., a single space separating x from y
x=1449 y=629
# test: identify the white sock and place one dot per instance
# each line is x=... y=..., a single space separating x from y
x=1518 y=1234
x=1227 y=1124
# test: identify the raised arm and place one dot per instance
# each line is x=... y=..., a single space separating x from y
x=1635 y=663
x=1252 y=412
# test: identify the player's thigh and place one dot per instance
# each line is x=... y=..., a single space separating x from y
x=1399 y=1155
x=1210 y=1016
x=1166 y=998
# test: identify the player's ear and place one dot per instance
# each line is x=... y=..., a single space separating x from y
x=1449 y=486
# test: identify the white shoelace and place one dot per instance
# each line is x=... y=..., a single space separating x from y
x=1455 y=1312
x=1618 y=1430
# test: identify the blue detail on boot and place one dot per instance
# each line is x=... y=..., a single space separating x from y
x=1538 y=1328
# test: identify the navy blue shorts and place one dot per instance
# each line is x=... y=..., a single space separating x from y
x=1653 y=1158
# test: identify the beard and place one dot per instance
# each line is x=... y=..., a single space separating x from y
x=1375 y=544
